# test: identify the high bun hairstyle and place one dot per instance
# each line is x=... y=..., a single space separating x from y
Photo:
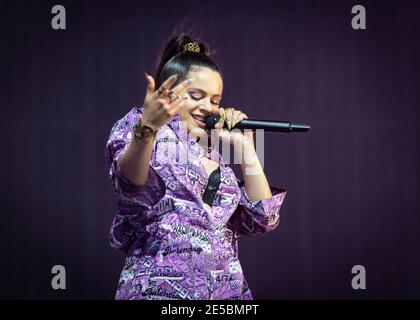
x=177 y=59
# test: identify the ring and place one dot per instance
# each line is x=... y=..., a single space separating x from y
x=161 y=90
x=172 y=95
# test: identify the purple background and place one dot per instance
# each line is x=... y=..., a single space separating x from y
x=353 y=180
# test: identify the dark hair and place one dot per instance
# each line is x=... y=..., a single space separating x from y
x=174 y=60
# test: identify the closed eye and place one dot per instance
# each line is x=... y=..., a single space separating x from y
x=198 y=97
x=195 y=97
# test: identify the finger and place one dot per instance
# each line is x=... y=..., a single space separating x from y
x=170 y=109
x=166 y=85
x=222 y=113
x=168 y=103
x=228 y=116
x=235 y=116
x=178 y=104
x=238 y=118
x=179 y=99
x=221 y=121
x=184 y=84
x=150 y=83
x=171 y=99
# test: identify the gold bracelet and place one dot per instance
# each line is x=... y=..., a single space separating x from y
x=143 y=132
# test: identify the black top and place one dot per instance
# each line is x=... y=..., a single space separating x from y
x=212 y=187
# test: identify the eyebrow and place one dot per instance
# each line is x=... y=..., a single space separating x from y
x=203 y=91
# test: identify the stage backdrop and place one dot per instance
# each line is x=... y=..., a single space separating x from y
x=352 y=181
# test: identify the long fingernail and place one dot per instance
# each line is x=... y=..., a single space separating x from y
x=189 y=81
x=146 y=75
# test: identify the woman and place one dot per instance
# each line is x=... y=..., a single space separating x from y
x=180 y=207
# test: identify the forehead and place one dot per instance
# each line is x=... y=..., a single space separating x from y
x=206 y=79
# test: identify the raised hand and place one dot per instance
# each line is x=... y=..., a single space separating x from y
x=162 y=104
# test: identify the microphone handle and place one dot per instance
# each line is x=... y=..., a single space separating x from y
x=272 y=126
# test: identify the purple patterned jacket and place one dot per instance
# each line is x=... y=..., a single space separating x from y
x=176 y=247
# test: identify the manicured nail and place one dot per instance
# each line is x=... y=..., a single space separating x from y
x=146 y=75
x=189 y=81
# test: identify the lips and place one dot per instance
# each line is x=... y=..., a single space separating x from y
x=199 y=119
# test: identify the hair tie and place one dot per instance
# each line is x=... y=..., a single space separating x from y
x=192 y=46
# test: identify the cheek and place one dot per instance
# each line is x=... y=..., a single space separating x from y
x=184 y=114
x=187 y=108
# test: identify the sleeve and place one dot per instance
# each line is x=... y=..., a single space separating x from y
x=255 y=218
x=146 y=195
x=132 y=200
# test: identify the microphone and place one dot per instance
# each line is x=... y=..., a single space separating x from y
x=267 y=125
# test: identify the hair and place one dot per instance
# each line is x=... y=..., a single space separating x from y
x=174 y=60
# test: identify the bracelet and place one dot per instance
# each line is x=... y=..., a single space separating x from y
x=143 y=132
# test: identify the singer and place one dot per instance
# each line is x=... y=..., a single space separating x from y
x=179 y=223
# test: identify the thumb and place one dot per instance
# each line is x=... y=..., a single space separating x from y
x=150 y=83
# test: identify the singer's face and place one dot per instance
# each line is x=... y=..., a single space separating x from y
x=203 y=98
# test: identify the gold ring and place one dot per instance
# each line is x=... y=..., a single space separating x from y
x=172 y=95
x=161 y=90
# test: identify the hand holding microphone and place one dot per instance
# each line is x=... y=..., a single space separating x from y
x=228 y=118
